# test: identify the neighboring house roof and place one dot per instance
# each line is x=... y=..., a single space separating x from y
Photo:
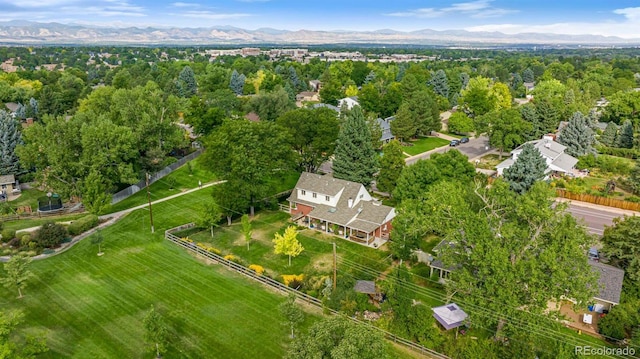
x=385 y=126
x=364 y=214
x=252 y=116
x=326 y=105
x=365 y=286
x=315 y=82
x=349 y=101
x=600 y=125
x=609 y=281
x=7 y=179
x=307 y=94
x=564 y=163
x=528 y=85
x=12 y=106
x=450 y=315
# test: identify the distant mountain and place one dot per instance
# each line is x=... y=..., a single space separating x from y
x=28 y=32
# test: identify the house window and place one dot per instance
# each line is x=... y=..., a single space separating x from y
x=361 y=196
x=303 y=192
x=315 y=195
x=326 y=198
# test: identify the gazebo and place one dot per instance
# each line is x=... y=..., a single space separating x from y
x=450 y=316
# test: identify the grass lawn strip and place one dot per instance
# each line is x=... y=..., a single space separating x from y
x=424 y=144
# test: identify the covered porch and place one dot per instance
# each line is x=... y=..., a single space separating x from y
x=367 y=233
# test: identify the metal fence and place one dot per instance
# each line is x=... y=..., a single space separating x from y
x=154 y=177
x=250 y=273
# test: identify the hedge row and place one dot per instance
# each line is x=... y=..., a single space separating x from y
x=83 y=224
x=619 y=152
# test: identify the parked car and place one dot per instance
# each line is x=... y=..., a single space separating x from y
x=464 y=140
x=593 y=254
x=454 y=143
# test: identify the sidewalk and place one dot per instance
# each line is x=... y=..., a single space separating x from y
x=598 y=207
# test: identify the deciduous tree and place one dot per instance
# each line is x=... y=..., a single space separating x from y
x=292 y=314
x=288 y=243
x=247 y=232
x=210 y=216
x=459 y=122
x=622 y=245
x=156 y=331
x=17 y=272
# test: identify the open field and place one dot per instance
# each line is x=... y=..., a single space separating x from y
x=424 y=144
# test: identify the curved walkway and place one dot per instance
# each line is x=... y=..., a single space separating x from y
x=109 y=219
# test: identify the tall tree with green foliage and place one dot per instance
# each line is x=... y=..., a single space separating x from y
x=331 y=92
x=187 y=82
x=291 y=312
x=506 y=129
x=577 y=136
x=625 y=138
x=528 y=169
x=14 y=346
x=355 y=159
x=391 y=166
x=439 y=83
x=10 y=138
x=17 y=272
x=404 y=126
x=369 y=98
x=527 y=75
x=236 y=83
x=210 y=216
x=156 y=331
x=610 y=135
x=621 y=244
x=95 y=193
x=287 y=243
x=477 y=98
x=259 y=155
x=247 y=231
x=459 y=122
x=337 y=337
x=313 y=135
x=424 y=110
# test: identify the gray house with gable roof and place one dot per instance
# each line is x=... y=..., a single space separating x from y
x=340 y=207
x=553 y=153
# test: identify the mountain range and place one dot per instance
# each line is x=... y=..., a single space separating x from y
x=27 y=32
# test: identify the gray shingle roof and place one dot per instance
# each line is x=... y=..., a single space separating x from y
x=7 y=179
x=365 y=286
x=325 y=105
x=565 y=162
x=609 y=281
x=385 y=126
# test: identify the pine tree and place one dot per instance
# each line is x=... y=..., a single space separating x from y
x=391 y=165
x=10 y=137
x=610 y=135
x=577 y=136
x=530 y=115
x=21 y=112
x=236 y=84
x=294 y=79
x=32 y=108
x=516 y=81
x=187 y=82
x=528 y=168
x=370 y=77
x=440 y=83
x=527 y=75
x=625 y=139
x=355 y=159
x=404 y=126
x=464 y=80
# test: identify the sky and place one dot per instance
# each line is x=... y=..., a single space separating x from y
x=610 y=18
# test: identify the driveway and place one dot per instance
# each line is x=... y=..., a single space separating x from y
x=476 y=147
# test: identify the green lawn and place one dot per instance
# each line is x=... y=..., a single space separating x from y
x=177 y=181
x=28 y=197
x=92 y=307
x=36 y=221
x=424 y=144
x=489 y=162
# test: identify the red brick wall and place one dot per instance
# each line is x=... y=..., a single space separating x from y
x=302 y=208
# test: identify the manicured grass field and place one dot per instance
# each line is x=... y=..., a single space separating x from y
x=177 y=181
x=424 y=144
x=93 y=307
x=36 y=221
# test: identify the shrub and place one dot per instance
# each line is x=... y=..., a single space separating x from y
x=186 y=239
x=257 y=268
x=25 y=239
x=232 y=258
x=8 y=234
x=50 y=235
x=83 y=224
x=292 y=280
x=208 y=248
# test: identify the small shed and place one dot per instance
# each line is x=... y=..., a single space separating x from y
x=366 y=287
x=450 y=316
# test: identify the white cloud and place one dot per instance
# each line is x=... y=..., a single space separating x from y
x=627 y=28
x=476 y=9
x=185 y=4
x=37 y=3
x=211 y=15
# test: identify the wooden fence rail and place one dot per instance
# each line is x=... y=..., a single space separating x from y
x=190 y=246
x=603 y=201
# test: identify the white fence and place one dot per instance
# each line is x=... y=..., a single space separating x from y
x=154 y=177
x=168 y=234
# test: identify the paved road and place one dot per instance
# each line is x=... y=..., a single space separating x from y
x=476 y=147
x=595 y=217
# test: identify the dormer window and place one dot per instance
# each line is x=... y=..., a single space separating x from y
x=303 y=192
x=315 y=195
x=361 y=196
x=326 y=198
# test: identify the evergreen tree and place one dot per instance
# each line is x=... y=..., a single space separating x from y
x=625 y=139
x=391 y=165
x=530 y=115
x=10 y=137
x=294 y=79
x=21 y=112
x=187 y=82
x=355 y=159
x=404 y=126
x=440 y=83
x=32 y=108
x=577 y=136
x=370 y=77
x=236 y=84
x=464 y=80
x=528 y=168
x=516 y=81
x=610 y=135
x=527 y=75
x=634 y=178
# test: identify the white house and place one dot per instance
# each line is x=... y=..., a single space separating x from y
x=349 y=102
x=553 y=153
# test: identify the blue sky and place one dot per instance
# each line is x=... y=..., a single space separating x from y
x=618 y=18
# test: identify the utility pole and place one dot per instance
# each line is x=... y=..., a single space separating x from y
x=149 y=199
x=335 y=266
